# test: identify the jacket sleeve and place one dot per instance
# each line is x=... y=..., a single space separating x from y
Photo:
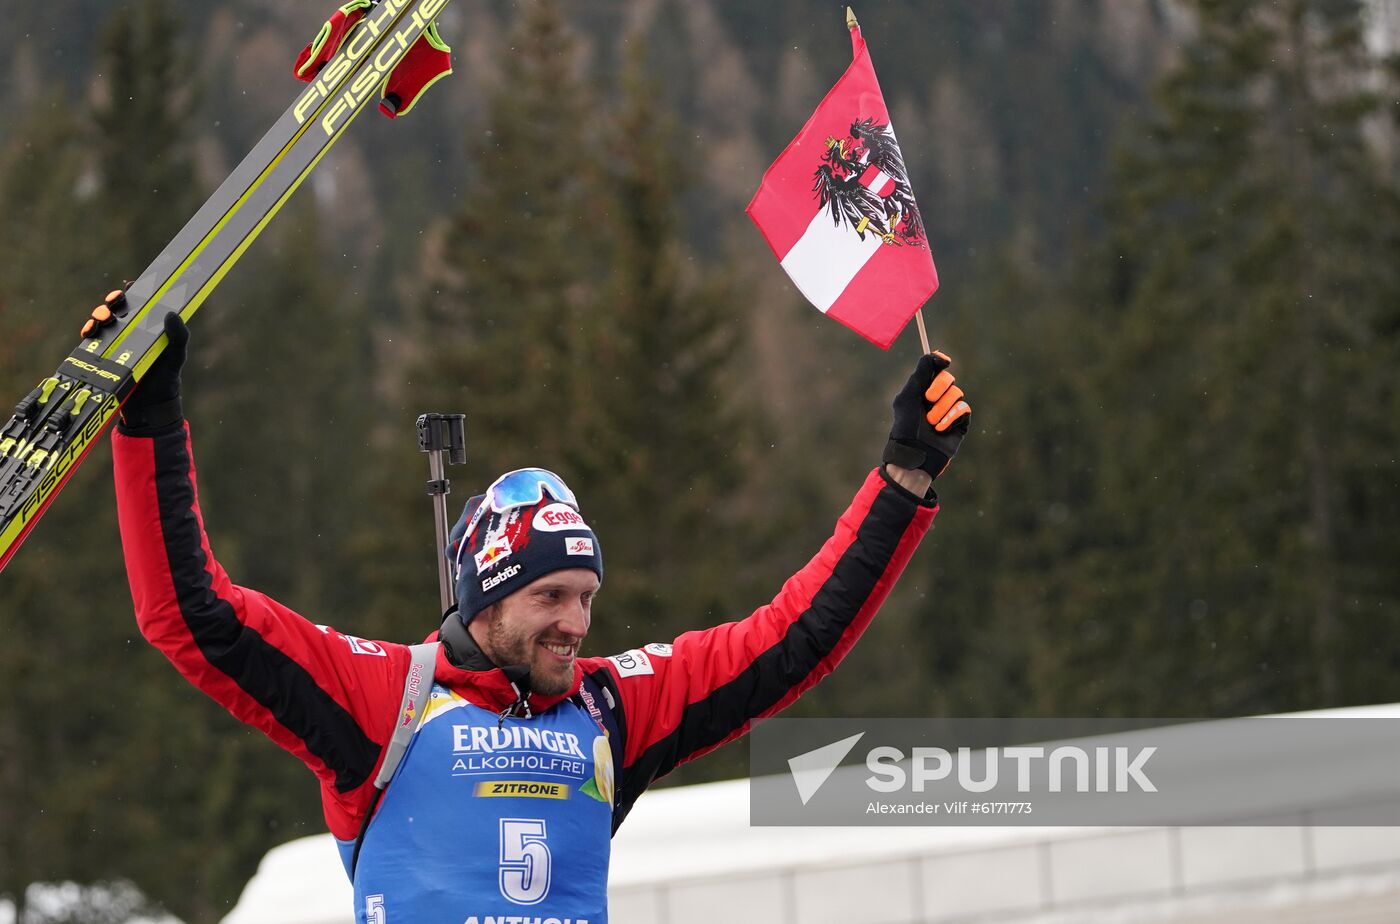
x=326 y=697
x=682 y=700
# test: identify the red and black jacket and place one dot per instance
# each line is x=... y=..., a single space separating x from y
x=332 y=699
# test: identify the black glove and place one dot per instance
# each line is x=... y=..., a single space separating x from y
x=930 y=418
x=155 y=403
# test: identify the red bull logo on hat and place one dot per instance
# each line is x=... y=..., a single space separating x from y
x=497 y=548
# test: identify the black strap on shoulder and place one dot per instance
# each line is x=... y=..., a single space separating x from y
x=364 y=828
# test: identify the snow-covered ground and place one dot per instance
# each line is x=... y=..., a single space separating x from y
x=53 y=901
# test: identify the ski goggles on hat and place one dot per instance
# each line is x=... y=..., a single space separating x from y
x=524 y=487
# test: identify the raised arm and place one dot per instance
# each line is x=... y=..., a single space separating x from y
x=325 y=697
x=681 y=700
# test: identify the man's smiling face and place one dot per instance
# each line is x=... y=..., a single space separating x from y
x=541 y=626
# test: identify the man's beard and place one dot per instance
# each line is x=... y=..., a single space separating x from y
x=511 y=648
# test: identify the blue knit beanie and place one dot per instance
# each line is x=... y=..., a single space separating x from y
x=508 y=550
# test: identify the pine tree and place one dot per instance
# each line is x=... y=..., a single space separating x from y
x=63 y=597
x=145 y=174
x=574 y=330
x=662 y=429
x=522 y=261
x=83 y=711
x=1252 y=319
x=498 y=336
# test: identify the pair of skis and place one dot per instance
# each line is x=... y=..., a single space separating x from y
x=55 y=425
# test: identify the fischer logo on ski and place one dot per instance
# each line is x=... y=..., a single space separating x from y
x=368 y=81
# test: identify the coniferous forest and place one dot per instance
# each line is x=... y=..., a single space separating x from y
x=1168 y=234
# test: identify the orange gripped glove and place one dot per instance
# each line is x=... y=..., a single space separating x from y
x=931 y=417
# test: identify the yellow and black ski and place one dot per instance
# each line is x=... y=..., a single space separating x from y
x=53 y=428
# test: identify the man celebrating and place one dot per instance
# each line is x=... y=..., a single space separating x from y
x=524 y=757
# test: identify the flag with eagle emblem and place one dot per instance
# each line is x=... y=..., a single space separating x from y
x=838 y=211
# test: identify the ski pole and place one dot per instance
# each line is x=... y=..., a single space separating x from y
x=439 y=433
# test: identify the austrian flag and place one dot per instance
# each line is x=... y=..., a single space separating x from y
x=838 y=211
